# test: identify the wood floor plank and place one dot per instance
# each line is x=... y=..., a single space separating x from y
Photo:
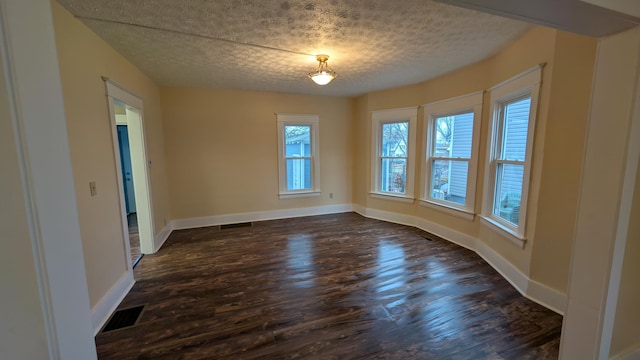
x=328 y=287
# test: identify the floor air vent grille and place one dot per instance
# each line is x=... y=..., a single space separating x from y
x=236 y=225
x=123 y=318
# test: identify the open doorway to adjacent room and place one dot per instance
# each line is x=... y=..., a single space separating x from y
x=133 y=172
x=127 y=181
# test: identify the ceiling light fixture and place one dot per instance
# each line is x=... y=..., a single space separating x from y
x=323 y=75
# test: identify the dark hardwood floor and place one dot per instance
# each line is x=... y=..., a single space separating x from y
x=134 y=237
x=326 y=287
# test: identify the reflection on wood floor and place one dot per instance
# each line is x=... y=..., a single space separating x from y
x=326 y=287
x=134 y=237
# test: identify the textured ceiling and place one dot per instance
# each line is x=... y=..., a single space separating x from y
x=269 y=45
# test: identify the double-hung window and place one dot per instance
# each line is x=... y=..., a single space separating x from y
x=298 y=155
x=513 y=111
x=451 y=132
x=393 y=151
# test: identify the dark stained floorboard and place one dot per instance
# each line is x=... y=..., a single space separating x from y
x=326 y=287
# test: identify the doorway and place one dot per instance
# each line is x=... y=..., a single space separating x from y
x=132 y=171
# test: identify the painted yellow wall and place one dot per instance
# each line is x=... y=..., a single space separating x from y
x=565 y=134
x=221 y=148
x=360 y=150
x=23 y=335
x=84 y=58
x=626 y=331
x=560 y=128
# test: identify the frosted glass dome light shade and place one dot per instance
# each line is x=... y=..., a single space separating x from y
x=323 y=75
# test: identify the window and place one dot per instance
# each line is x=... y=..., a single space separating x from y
x=451 y=133
x=298 y=155
x=393 y=149
x=513 y=109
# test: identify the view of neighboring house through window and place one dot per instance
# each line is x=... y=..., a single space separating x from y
x=393 y=151
x=510 y=159
x=393 y=157
x=513 y=109
x=451 y=132
x=298 y=155
x=450 y=157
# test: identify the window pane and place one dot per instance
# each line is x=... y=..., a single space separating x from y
x=508 y=192
x=298 y=174
x=449 y=180
x=297 y=140
x=454 y=135
x=516 y=123
x=393 y=175
x=395 y=137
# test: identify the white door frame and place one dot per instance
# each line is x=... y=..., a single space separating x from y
x=139 y=164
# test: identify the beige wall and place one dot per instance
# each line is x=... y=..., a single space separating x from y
x=557 y=155
x=565 y=134
x=84 y=58
x=221 y=148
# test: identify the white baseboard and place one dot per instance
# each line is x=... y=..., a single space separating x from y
x=446 y=233
x=101 y=312
x=389 y=216
x=632 y=353
x=542 y=294
x=258 y=216
x=548 y=297
x=508 y=271
x=161 y=237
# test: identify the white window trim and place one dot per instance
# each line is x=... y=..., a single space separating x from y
x=526 y=83
x=457 y=105
x=312 y=120
x=446 y=208
x=378 y=118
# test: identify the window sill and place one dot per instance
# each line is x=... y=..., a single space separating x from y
x=509 y=233
x=301 y=194
x=450 y=210
x=388 y=196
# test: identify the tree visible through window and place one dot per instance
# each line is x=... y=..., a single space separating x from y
x=451 y=133
x=393 y=135
x=450 y=157
x=393 y=157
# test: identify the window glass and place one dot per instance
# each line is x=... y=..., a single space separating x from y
x=393 y=167
x=298 y=155
x=508 y=192
x=452 y=143
x=516 y=123
x=298 y=140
